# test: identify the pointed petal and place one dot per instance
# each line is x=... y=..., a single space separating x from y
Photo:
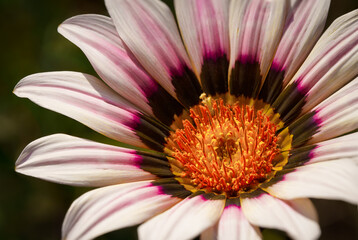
x=296 y=217
x=183 y=221
x=204 y=27
x=99 y=40
x=338 y=114
x=304 y=24
x=234 y=225
x=149 y=30
x=97 y=36
x=253 y=42
x=328 y=180
x=75 y=161
x=109 y=208
x=85 y=99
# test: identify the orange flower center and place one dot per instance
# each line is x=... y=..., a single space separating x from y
x=225 y=149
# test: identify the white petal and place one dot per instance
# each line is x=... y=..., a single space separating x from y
x=236 y=16
x=327 y=180
x=75 y=161
x=149 y=30
x=113 y=207
x=185 y=220
x=204 y=27
x=96 y=35
x=338 y=114
x=304 y=25
x=337 y=148
x=234 y=225
x=296 y=217
x=332 y=63
x=255 y=30
x=85 y=99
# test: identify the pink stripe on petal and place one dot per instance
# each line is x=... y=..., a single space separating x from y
x=234 y=225
x=304 y=24
x=74 y=161
x=183 y=221
x=85 y=99
x=97 y=37
x=336 y=180
x=296 y=217
x=204 y=27
x=338 y=114
x=149 y=30
x=255 y=31
x=336 y=148
x=110 y=208
x=332 y=62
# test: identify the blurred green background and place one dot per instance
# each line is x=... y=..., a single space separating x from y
x=32 y=208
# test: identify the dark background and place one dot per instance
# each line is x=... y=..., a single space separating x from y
x=32 y=208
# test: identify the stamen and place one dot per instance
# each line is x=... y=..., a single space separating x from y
x=226 y=149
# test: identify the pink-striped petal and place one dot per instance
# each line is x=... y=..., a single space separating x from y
x=185 y=220
x=253 y=41
x=98 y=39
x=337 y=148
x=85 y=99
x=338 y=114
x=109 y=208
x=332 y=63
x=296 y=217
x=75 y=161
x=149 y=30
x=204 y=26
x=304 y=25
x=97 y=36
x=328 y=180
x=234 y=225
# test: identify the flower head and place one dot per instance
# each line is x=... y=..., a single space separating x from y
x=247 y=113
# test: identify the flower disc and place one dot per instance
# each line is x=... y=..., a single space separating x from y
x=228 y=148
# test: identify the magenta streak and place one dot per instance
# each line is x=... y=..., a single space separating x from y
x=277 y=66
x=317 y=120
x=232 y=205
x=154 y=35
x=208 y=29
x=131 y=117
x=250 y=39
x=302 y=15
x=248 y=59
x=312 y=154
x=343 y=50
x=160 y=189
x=118 y=207
x=120 y=57
x=302 y=88
x=113 y=164
x=214 y=55
x=137 y=160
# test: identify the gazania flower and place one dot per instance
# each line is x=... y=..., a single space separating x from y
x=247 y=113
